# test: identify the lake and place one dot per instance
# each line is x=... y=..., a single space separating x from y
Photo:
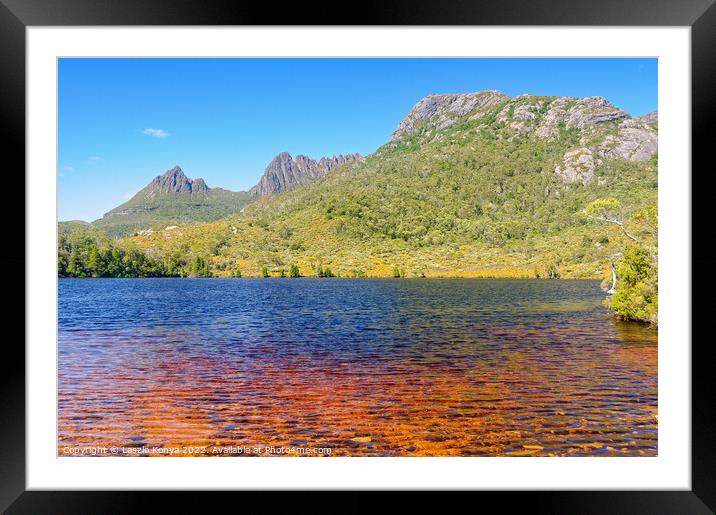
x=351 y=367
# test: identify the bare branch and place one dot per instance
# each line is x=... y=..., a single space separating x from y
x=616 y=222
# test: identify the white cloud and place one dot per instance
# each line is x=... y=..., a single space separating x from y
x=129 y=195
x=67 y=168
x=93 y=160
x=155 y=133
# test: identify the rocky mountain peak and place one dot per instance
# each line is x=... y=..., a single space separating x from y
x=173 y=171
x=282 y=157
x=604 y=131
x=284 y=172
x=441 y=111
x=527 y=113
x=174 y=181
x=199 y=186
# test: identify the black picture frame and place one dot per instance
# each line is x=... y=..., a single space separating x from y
x=16 y=15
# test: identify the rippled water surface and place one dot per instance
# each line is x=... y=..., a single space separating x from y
x=352 y=367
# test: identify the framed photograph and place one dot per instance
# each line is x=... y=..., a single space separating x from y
x=448 y=248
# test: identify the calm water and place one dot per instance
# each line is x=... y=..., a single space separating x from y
x=351 y=367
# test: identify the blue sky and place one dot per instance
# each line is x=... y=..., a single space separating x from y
x=124 y=121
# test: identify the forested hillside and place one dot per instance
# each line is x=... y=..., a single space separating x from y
x=475 y=185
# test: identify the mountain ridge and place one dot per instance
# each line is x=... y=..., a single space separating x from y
x=493 y=190
x=443 y=110
x=173 y=197
x=284 y=172
x=606 y=131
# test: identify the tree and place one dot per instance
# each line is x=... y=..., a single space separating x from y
x=173 y=264
x=293 y=271
x=75 y=266
x=636 y=297
x=62 y=262
x=94 y=262
x=84 y=253
x=264 y=271
x=114 y=263
x=200 y=268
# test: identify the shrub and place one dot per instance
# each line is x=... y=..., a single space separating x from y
x=636 y=296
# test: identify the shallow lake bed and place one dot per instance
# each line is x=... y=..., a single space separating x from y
x=384 y=367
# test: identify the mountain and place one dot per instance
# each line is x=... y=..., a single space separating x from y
x=605 y=131
x=525 y=113
x=171 y=198
x=284 y=173
x=174 y=182
x=436 y=112
x=476 y=184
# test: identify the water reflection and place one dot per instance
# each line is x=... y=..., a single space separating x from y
x=360 y=367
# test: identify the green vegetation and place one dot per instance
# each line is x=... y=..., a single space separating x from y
x=636 y=296
x=200 y=268
x=477 y=199
x=635 y=290
x=324 y=272
x=86 y=252
x=140 y=213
